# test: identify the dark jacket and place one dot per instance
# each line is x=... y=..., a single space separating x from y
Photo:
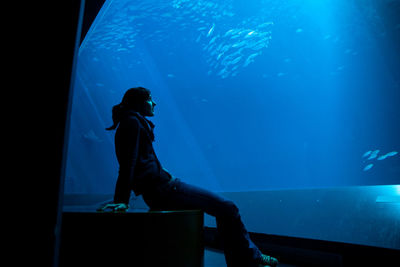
x=139 y=168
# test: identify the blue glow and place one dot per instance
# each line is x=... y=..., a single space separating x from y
x=397 y=187
x=252 y=95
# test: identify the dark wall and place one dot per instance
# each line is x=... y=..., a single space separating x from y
x=92 y=8
x=42 y=99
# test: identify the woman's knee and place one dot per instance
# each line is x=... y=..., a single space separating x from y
x=230 y=209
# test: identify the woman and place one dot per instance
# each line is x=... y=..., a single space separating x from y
x=141 y=171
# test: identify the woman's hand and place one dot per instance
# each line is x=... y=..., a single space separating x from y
x=117 y=207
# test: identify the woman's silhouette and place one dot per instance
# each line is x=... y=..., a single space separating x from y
x=141 y=171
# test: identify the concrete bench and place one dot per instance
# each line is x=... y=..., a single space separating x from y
x=133 y=238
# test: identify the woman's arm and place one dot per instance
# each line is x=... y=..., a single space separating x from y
x=129 y=133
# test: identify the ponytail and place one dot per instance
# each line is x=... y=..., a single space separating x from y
x=116 y=116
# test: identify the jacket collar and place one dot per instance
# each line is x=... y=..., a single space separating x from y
x=147 y=124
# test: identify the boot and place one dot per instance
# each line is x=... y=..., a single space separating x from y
x=266 y=260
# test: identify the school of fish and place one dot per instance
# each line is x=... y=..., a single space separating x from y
x=228 y=46
x=373 y=154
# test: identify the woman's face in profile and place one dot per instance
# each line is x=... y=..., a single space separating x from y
x=148 y=109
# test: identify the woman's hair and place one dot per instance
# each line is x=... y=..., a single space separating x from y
x=133 y=99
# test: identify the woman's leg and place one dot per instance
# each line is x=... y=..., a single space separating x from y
x=238 y=247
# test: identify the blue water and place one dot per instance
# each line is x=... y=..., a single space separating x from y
x=251 y=95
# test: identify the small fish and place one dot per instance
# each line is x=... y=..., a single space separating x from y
x=366 y=154
x=91 y=136
x=243 y=43
x=391 y=154
x=211 y=30
x=250 y=59
x=267 y=23
x=250 y=33
x=213 y=40
x=220 y=55
x=368 y=167
x=236 y=60
x=373 y=155
x=228 y=32
x=198 y=38
x=382 y=157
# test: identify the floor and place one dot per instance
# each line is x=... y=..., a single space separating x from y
x=214 y=258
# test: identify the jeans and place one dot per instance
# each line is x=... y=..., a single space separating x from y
x=239 y=250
